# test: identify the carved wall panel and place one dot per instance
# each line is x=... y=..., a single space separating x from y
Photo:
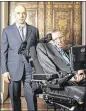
x=47 y=16
x=62 y=20
x=77 y=23
x=41 y=18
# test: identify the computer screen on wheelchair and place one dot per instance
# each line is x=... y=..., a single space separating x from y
x=78 y=56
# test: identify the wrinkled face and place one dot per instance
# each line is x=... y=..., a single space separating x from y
x=20 y=14
x=58 y=39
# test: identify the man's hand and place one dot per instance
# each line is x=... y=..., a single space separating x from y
x=6 y=77
x=80 y=75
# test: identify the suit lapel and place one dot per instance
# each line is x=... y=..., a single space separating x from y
x=28 y=31
x=16 y=31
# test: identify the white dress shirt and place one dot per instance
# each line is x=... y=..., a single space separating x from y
x=24 y=30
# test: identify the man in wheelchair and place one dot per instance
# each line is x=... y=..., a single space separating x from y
x=64 y=85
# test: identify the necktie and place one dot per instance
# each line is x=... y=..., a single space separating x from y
x=22 y=33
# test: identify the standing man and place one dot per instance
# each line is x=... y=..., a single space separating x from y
x=15 y=67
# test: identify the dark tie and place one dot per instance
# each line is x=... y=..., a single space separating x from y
x=22 y=33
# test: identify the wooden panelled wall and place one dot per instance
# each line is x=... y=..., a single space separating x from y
x=47 y=16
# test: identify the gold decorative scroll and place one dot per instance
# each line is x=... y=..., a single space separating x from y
x=48 y=17
x=62 y=5
x=62 y=21
x=32 y=17
x=77 y=23
x=28 y=5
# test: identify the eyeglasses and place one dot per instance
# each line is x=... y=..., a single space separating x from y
x=57 y=38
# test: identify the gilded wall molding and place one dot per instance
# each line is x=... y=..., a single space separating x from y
x=48 y=17
x=41 y=18
x=77 y=23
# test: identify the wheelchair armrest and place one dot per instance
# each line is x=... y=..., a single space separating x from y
x=41 y=76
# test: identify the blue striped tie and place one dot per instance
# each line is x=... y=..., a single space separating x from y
x=22 y=33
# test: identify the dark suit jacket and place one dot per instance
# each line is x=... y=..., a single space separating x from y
x=11 y=41
x=50 y=59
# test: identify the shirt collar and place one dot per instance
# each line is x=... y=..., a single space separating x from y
x=18 y=26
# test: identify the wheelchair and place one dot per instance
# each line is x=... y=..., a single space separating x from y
x=70 y=96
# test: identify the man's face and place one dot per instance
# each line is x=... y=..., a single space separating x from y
x=59 y=39
x=20 y=14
